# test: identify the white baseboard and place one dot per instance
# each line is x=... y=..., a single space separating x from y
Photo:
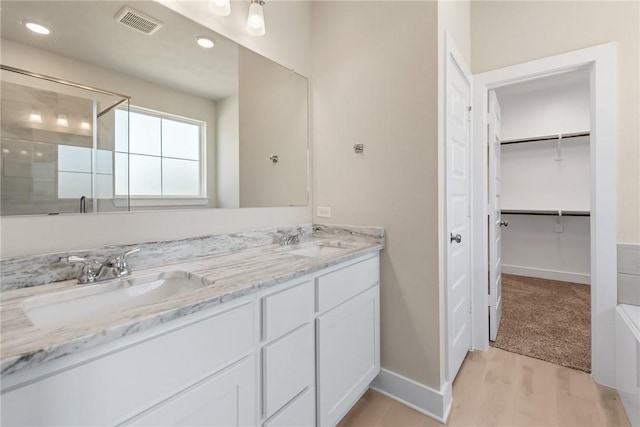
x=563 y=276
x=432 y=403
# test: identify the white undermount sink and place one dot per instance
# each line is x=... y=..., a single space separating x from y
x=313 y=249
x=88 y=302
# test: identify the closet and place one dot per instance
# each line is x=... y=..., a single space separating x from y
x=545 y=178
x=541 y=240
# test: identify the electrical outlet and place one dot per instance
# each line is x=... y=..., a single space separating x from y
x=324 y=212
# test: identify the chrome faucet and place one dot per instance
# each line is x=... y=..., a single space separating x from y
x=94 y=271
x=291 y=239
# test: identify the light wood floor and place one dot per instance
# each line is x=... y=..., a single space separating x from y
x=498 y=388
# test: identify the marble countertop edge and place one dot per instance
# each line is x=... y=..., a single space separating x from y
x=24 y=345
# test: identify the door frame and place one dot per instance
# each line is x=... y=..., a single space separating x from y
x=451 y=52
x=601 y=61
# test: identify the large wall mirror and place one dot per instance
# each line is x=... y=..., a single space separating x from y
x=121 y=108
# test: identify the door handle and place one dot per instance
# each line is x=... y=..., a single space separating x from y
x=457 y=238
x=504 y=223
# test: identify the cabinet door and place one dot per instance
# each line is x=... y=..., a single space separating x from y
x=126 y=379
x=288 y=368
x=348 y=354
x=227 y=399
x=301 y=412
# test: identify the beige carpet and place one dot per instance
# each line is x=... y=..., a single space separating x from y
x=546 y=319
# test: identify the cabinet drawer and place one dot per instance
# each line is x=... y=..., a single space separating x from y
x=119 y=384
x=225 y=399
x=288 y=368
x=299 y=413
x=286 y=310
x=340 y=285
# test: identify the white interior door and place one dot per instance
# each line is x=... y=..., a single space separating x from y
x=495 y=219
x=457 y=136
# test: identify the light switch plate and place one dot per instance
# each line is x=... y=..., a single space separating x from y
x=324 y=212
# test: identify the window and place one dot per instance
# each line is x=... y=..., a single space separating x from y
x=163 y=158
x=75 y=172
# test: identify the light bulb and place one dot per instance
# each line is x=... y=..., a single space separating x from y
x=62 y=120
x=37 y=28
x=255 y=21
x=35 y=116
x=85 y=125
x=220 y=7
x=205 y=42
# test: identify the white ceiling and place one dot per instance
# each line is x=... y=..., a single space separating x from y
x=554 y=83
x=87 y=31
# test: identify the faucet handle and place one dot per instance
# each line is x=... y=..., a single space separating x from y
x=120 y=262
x=88 y=273
x=117 y=260
x=130 y=252
x=87 y=262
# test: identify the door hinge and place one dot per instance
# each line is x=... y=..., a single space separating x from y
x=469 y=110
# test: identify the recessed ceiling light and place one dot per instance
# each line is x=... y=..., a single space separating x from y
x=220 y=7
x=85 y=125
x=205 y=42
x=36 y=28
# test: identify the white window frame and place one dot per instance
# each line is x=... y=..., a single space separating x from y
x=154 y=200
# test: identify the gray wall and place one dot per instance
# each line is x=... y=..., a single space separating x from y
x=505 y=33
x=374 y=82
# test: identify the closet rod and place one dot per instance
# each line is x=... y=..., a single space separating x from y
x=549 y=213
x=545 y=138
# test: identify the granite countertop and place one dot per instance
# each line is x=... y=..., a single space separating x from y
x=227 y=276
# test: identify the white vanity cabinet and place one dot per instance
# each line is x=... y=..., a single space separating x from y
x=225 y=399
x=348 y=337
x=288 y=356
x=296 y=354
x=171 y=366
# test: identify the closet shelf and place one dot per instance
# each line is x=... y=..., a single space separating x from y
x=544 y=212
x=546 y=138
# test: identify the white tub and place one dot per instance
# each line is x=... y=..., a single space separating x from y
x=628 y=359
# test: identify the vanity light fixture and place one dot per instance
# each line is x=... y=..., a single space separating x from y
x=62 y=120
x=205 y=42
x=220 y=7
x=85 y=125
x=36 y=28
x=35 y=116
x=255 y=21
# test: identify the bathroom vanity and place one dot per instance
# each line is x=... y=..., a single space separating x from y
x=268 y=336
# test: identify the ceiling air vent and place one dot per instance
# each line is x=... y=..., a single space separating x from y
x=137 y=20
